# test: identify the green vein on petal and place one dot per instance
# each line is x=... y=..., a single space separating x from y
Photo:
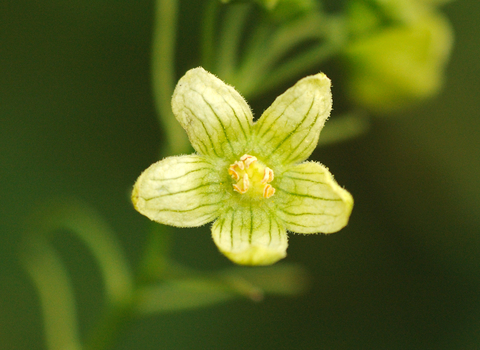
x=212 y=112
x=310 y=201
x=179 y=191
x=250 y=236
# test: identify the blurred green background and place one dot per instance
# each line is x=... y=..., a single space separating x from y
x=77 y=119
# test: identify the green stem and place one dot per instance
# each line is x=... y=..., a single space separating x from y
x=163 y=74
x=155 y=260
x=208 y=34
x=51 y=278
x=246 y=77
x=229 y=43
x=117 y=316
x=152 y=268
x=264 y=68
x=297 y=66
x=55 y=293
x=287 y=37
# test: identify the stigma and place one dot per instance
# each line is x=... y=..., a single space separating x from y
x=252 y=177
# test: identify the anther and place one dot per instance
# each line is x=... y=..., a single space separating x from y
x=245 y=183
x=268 y=175
x=248 y=159
x=240 y=165
x=247 y=170
x=268 y=191
x=233 y=173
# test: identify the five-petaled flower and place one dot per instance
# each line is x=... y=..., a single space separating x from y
x=248 y=176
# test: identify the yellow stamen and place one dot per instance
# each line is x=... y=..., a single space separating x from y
x=268 y=191
x=233 y=173
x=268 y=176
x=251 y=174
x=248 y=159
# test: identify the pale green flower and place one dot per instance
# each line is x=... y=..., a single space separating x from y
x=247 y=176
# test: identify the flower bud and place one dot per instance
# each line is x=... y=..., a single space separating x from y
x=395 y=66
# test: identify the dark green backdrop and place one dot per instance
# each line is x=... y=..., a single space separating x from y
x=77 y=119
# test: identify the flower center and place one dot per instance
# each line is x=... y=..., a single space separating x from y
x=252 y=176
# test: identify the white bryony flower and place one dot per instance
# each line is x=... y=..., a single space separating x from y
x=247 y=176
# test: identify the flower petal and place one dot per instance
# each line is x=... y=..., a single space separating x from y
x=217 y=119
x=182 y=191
x=288 y=130
x=310 y=201
x=250 y=236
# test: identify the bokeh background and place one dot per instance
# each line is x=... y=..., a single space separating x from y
x=77 y=119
